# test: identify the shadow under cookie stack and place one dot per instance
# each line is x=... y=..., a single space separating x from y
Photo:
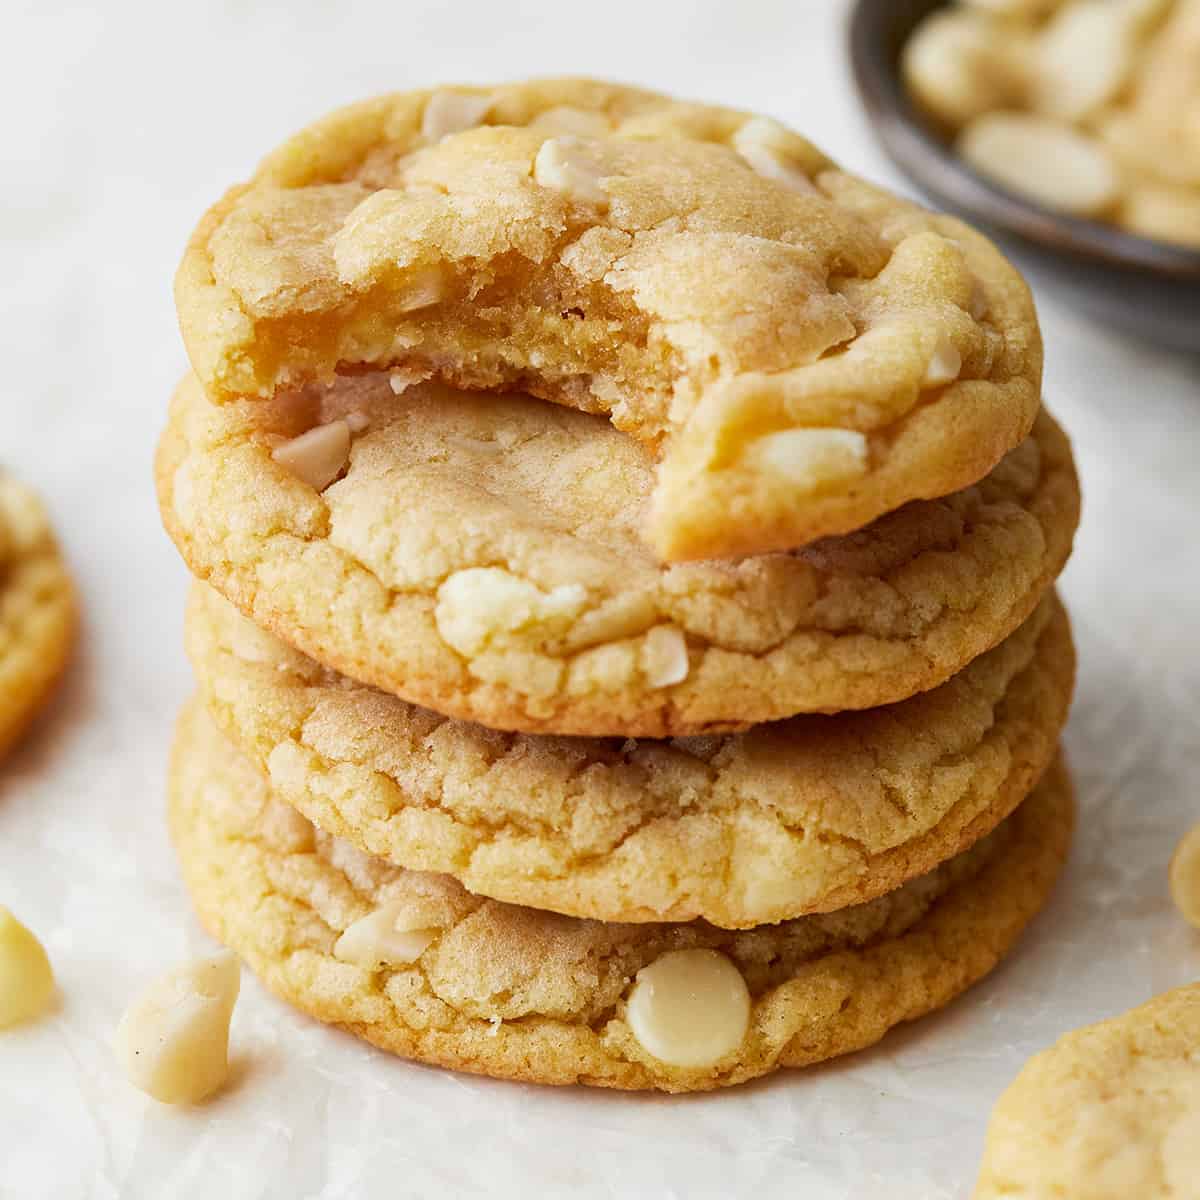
x=626 y=638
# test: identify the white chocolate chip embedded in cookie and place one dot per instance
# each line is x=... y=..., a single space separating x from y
x=173 y=1040
x=812 y=458
x=944 y=366
x=565 y=165
x=26 y=979
x=689 y=1008
x=385 y=937
x=665 y=656
x=426 y=287
x=317 y=457
x=452 y=112
x=764 y=144
x=488 y=606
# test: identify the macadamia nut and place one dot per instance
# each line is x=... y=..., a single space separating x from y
x=173 y=1040
x=689 y=1008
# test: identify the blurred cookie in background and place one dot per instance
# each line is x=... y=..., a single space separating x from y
x=37 y=609
x=1112 y=1110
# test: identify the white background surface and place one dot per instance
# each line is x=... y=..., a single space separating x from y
x=121 y=123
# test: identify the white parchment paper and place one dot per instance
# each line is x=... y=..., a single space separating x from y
x=121 y=122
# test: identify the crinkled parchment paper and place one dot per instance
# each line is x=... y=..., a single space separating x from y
x=124 y=121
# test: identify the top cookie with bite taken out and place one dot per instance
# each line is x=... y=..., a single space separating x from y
x=802 y=351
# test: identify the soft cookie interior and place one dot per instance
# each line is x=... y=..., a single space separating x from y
x=779 y=332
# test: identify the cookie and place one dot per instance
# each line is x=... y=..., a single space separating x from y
x=480 y=557
x=1109 y=1112
x=804 y=351
x=805 y=815
x=419 y=966
x=37 y=609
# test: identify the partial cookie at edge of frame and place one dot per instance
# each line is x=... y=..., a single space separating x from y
x=1109 y=1112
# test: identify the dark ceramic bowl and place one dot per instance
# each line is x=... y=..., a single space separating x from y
x=1152 y=288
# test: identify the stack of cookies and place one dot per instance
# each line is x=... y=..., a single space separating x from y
x=626 y=640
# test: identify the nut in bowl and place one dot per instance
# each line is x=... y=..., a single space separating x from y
x=996 y=110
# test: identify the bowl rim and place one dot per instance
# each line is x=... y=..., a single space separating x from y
x=912 y=143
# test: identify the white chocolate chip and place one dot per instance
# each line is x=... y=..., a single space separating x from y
x=943 y=366
x=1184 y=877
x=484 y=606
x=665 y=656
x=386 y=937
x=762 y=142
x=812 y=458
x=605 y=388
x=565 y=118
x=452 y=112
x=423 y=287
x=357 y=422
x=564 y=164
x=318 y=456
x=402 y=379
x=26 y=980
x=1047 y=161
x=689 y=1008
x=173 y=1040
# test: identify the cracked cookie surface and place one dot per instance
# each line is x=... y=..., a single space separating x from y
x=480 y=556
x=1108 y=1112
x=804 y=815
x=517 y=993
x=805 y=352
x=37 y=608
